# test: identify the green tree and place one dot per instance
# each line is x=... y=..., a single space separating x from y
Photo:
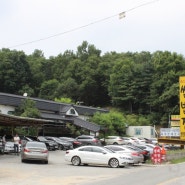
x=114 y=122
x=15 y=72
x=27 y=108
x=36 y=62
x=165 y=88
x=64 y=100
x=48 y=89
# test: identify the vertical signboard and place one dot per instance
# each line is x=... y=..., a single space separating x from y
x=182 y=106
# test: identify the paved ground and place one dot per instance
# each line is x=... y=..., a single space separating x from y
x=58 y=171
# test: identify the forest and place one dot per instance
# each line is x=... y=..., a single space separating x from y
x=135 y=83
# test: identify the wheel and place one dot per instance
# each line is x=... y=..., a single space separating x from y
x=76 y=161
x=115 y=143
x=114 y=163
x=45 y=162
x=61 y=147
x=22 y=160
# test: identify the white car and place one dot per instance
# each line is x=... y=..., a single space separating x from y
x=9 y=147
x=114 y=140
x=129 y=141
x=124 y=149
x=96 y=155
x=138 y=140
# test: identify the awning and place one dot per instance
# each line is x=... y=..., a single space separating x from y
x=10 y=120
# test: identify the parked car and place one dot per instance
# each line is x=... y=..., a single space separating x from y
x=145 y=153
x=154 y=140
x=88 y=140
x=72 y=140
x=114 y=140
x=96 y=155
x=62 y=145
x=24 y=139
x=51 y=145
x=129 y=141
x=122 y=149
x=9 y=147
x=138 y=140
x=1 y=145
x=147 y=147
x=34 y=150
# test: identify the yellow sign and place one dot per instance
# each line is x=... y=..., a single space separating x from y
x=175 y=117
x=182 y=106
x=175 y=123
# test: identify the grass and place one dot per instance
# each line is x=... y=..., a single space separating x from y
x=176 y=161
x=172 y=161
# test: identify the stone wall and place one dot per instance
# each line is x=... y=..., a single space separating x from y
x=176 y=155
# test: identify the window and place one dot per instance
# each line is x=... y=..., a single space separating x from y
x=138 y=131
x=152 y=131
x=72 y=111
x=97 y=150
x=11 y=112
x=87 y=149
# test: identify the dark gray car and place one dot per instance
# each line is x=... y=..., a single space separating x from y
x=62 y=145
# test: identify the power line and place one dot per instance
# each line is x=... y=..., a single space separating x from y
x=121 y=15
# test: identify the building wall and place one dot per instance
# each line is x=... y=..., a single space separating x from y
x=6 y=109
x=141 y=131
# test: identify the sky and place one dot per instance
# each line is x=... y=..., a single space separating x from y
x=55 y=26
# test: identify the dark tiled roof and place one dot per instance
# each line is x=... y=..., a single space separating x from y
x=56 y=110
x=85 y=124
x=74 y=120
x=47 y=105
x=55 y=117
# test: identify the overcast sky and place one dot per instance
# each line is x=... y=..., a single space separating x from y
x=159 y=25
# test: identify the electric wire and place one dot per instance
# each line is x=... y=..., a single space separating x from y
x=121 y=15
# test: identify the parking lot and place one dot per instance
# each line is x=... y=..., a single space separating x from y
x=58 y=171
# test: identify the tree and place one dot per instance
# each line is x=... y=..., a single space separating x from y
x=48 y=89
x=36 y=62
x=15 y=71
x=114 y=122
x=27 y=108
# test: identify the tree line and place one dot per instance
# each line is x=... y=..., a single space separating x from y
x=137 y=83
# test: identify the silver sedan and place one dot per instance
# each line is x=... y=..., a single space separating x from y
x=34 y=150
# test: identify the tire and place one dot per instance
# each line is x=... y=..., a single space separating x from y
x=115 y=143
x=22 y=160
x=61 y=147
x=45 y=162
x=113 y=163
x=76 y=161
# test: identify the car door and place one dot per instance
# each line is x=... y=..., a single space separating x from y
x=85 y=155
x=99 y=156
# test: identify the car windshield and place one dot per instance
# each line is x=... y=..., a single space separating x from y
x=42 y=139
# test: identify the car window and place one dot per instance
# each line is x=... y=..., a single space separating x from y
x=82 y=137
x=116 y=148
x=98 y=150
x=87 y=149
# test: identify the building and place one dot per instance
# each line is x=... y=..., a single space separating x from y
x=53 y=113
x=141 y=131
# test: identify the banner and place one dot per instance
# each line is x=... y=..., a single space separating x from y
x=182 y=106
